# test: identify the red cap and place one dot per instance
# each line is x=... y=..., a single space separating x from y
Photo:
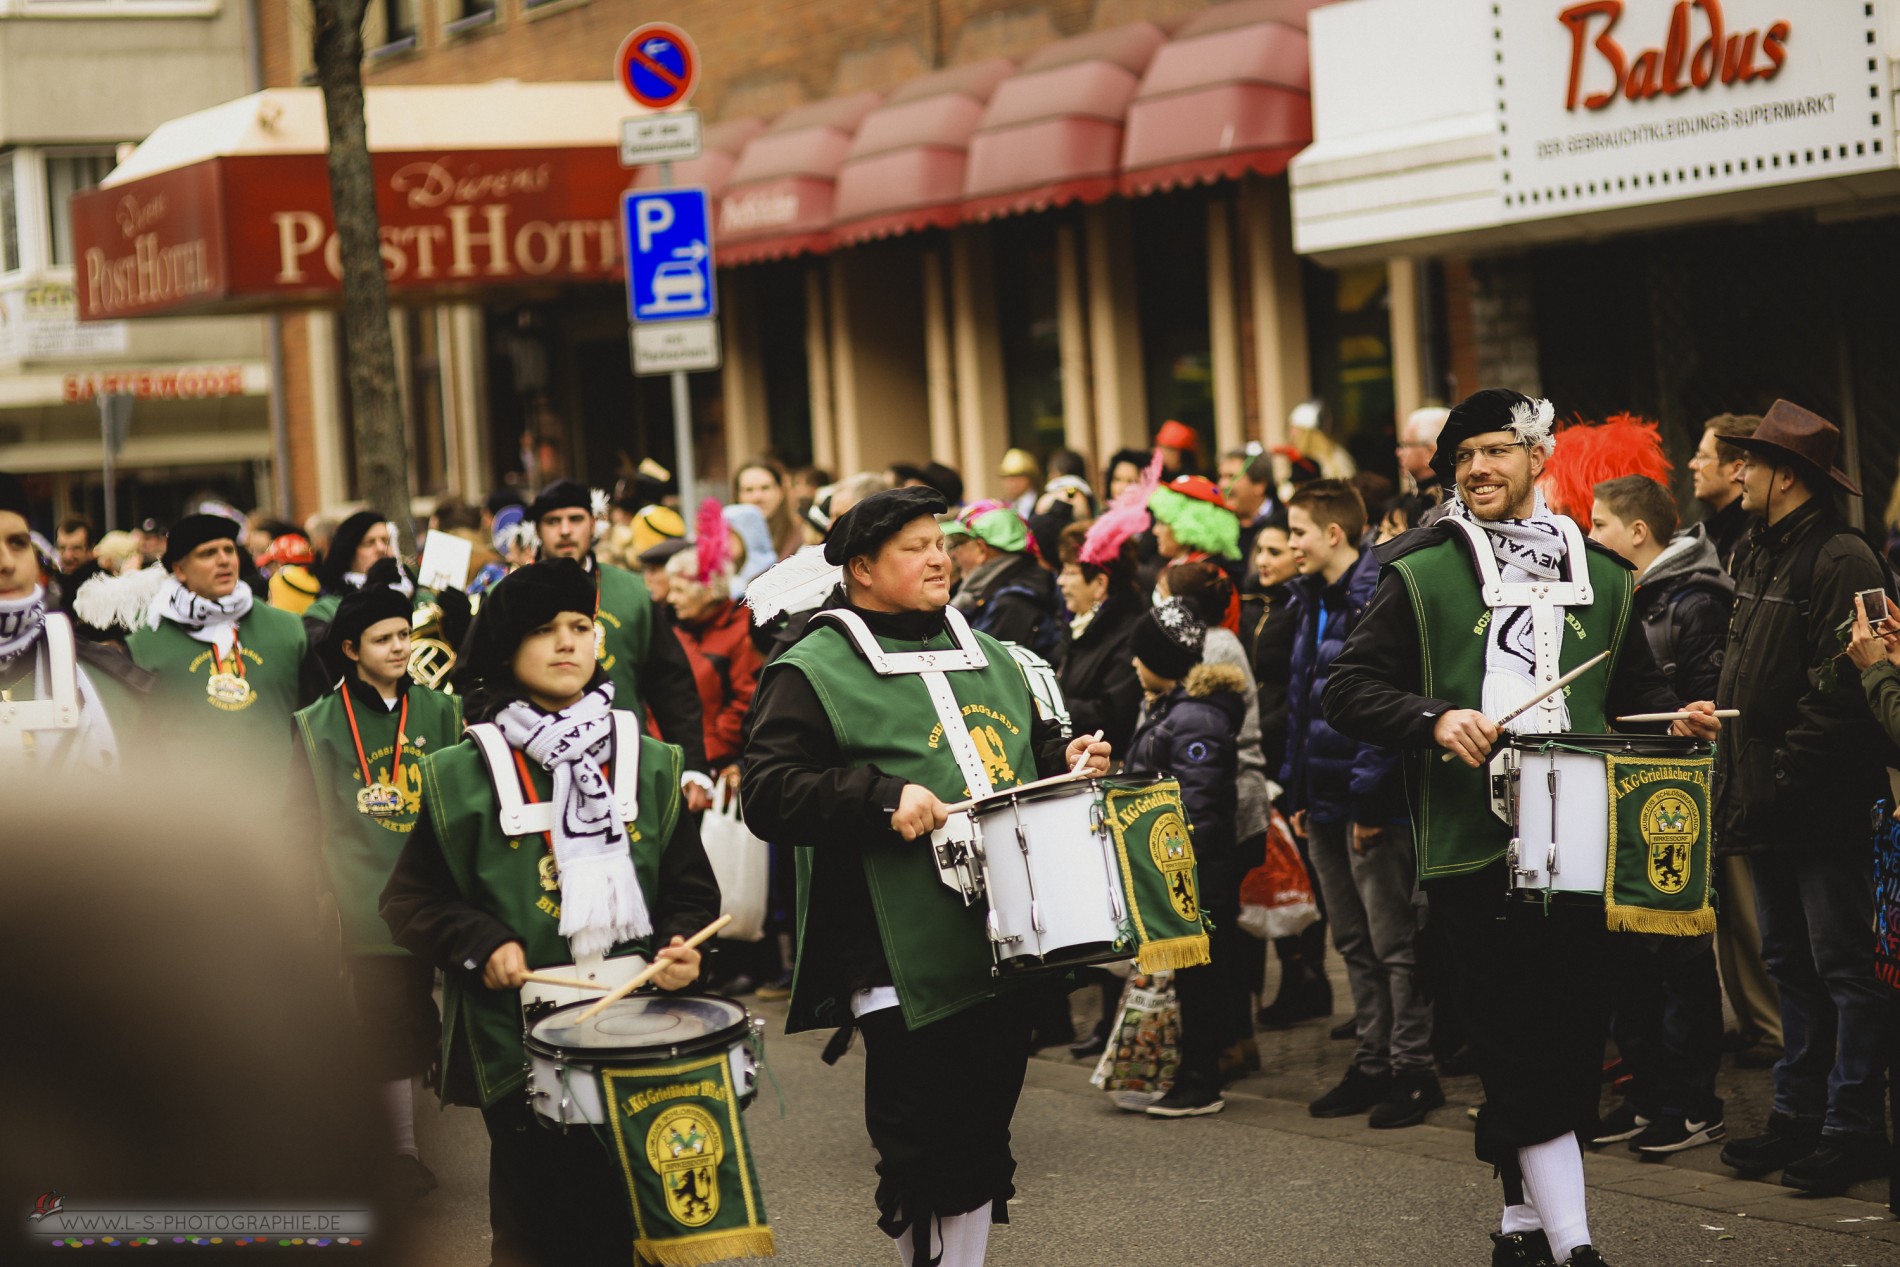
x=1200 y=488
x=289 y=548
x=1177 y=435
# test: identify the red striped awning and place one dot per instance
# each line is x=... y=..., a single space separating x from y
x=1229 y=94
x=905 y=168
x=1052 y=133
x=719 y=148
x=779 y=201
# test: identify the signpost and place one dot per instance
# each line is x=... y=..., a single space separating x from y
x=671 y=300
x=115 y=420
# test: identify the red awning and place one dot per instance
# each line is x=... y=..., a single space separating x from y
x=1052 y=133
x=904 y=170
x=1227 y=95
x=719 y=148
x=780 y=200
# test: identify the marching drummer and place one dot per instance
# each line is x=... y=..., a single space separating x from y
x=887 y=708
x=1528 y=981
x=489 y=905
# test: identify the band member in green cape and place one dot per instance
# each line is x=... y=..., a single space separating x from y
x=360 y=751
x=64 y=704
x=888 y=707
x=488 y=907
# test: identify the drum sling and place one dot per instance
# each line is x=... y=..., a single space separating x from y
x=1156 y=858
x=1659 y=873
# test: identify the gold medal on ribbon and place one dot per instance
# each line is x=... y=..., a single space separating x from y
x=228 y=691
x=379 y=800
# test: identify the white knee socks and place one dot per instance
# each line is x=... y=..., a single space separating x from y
x=1553 y=1187
x=958 y=1240
x=1519 y=1218
x=399 y=1105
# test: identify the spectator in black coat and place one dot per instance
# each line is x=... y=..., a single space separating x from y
x=1096 y=671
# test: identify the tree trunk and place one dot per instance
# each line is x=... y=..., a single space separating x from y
x=382 y=450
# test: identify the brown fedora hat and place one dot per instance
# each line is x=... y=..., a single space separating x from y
x=1789 y=431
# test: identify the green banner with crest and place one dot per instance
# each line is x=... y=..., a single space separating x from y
x=1154 y=850
x=1659 y=873
x=689 y=1171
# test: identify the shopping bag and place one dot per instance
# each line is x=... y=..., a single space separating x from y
x=742 y=864
x=1276 y=897
x=1144 y=1043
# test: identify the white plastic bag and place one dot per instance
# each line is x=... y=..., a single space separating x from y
x=741 y=862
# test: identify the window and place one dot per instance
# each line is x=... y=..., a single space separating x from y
x=9 y=216
x=467 y=15
x=68 y=172
x=389 y=26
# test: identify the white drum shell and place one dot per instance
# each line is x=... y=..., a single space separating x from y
x=579 y=1101
x=1582 y=823
x=1049 y=877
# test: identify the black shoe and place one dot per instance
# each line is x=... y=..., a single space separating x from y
x=1586 y=1256
x=1357 y=1092
x=1187 y=1099
x=1840 y=1162
x=733 y=987
x=779 y=987
x=1757 y=1056
x=1783 y=1141
x=1348 y=1028
x=1520 y=1249
x=1621 y=1123
x=407 y=1178
x=1304 y=996
x=1415 y=1092
x=1094 y=1045
x=1458 y=1064
x=1674 y=1134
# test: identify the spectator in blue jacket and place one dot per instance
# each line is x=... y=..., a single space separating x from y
x=1347 y=799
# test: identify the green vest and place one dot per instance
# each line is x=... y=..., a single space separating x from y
x=1453 y=827
x=323 y=608
x=505 y=876
x=937 y=947
x=360 y=850
x=272 y=644
x=626 y=618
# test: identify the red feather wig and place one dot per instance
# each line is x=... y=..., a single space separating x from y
x=1588 y=453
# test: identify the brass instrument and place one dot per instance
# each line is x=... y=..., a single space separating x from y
x=431 y=658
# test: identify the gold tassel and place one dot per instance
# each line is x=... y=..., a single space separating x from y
x=715 y=1247
x=1641 y=919
x=1175 y=952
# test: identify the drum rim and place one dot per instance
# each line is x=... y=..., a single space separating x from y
x=652 y=1054
x=1051 y=791
x=1611 y=744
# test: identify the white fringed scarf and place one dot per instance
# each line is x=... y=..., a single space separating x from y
x=212 y=620
x=601 y=900
x=1526 y=550
x=20 y=621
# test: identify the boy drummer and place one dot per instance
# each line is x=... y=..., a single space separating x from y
x=468 y=896
x=360 y=747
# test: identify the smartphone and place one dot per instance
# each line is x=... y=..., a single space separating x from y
x=1875 y=603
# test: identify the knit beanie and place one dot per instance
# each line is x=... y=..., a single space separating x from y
x=1168 y=639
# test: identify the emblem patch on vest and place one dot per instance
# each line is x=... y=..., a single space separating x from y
x=989 y=746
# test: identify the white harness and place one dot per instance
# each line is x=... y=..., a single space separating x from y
x=1543 y=598
x=519 y=817
x=60 y=711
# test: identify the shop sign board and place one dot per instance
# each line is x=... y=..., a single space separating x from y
x=669 y=255
x=40 y=321
x=1611 y=103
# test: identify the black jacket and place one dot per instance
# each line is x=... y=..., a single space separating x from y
x=1266 y=630
x=1683 y=603
x=1799 y=769
x=1016 y=604
x=1192 y=734
x=1098 y=671
x=1727 y=529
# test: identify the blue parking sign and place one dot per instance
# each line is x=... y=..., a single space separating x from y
x=669 y=254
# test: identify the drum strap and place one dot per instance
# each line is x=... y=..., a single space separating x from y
x=1043 y=685
x=521 y=818
x=1545 y=600
x=962 y=747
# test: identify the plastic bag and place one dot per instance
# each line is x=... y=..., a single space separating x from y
x=742 y=864
x=1144 y=1047
x=1276 y=897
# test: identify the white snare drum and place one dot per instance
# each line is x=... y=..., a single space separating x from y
x=1049 y=876
x=566 y=1054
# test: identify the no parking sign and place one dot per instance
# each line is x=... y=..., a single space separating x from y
x=657 y=65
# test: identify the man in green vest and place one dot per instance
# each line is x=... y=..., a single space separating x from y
x=1428 y=666
x=65 y=705
x=888 y=708
x=643 y=659
x=227 y=668
x=361 y=754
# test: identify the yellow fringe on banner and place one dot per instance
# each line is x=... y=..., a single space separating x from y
x=1640 y=919
x=1175 y=952
x=713 y=1247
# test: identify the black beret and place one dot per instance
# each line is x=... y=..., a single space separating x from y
x=342 y=552
x=878 y=518
x=195 y=530
x=656 y=556
x=12 y=494
x=561 y=495
x=1478 y=414
x=526 y=599
x=376 y=602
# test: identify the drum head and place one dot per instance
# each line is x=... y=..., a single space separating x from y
x=647 y=1027
x=1676 y=746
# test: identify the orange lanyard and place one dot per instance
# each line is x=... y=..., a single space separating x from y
x=402 y=725
x=534 y=798
x=237 y=658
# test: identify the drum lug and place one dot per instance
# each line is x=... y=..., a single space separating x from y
x=996 y=931
x=1035 y=916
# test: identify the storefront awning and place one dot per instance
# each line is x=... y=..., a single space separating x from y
x=780 y=200
x=1052 y=133
x=478 y=188
x=719 y=148
x=904 y=170
x=1226 y=96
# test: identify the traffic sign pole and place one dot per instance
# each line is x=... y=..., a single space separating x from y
x=684 y=468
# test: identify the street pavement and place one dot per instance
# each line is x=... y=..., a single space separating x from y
x=1261 y=1184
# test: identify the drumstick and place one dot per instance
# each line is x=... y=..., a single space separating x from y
x=1685 y=715
x=652 y=970
x=569 y=982
x=1543 y=695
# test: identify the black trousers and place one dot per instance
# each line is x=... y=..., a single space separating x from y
x=1667 y=1022
x=396 y=1008
x=554 y=1199
x=938 y=1102
x=1213 y=998
x=1532 y=987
